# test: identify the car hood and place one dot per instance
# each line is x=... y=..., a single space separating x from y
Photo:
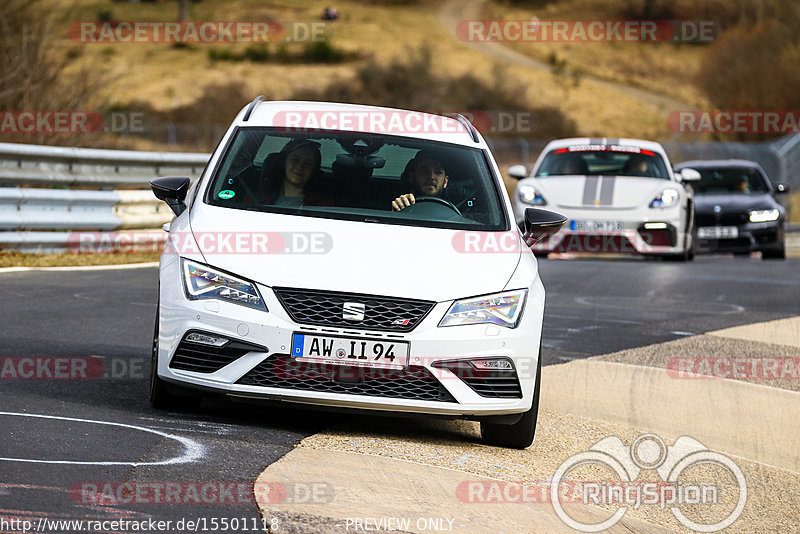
x=733 y=202
x=584 y=192
x=357 y=257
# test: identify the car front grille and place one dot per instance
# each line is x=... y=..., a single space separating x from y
x=202 y=358
x=326 y=308
x=283 y=371
x=723 y=219
x=494 y=383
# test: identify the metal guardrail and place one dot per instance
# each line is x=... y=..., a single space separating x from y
x=48 y=193
x=46 y=166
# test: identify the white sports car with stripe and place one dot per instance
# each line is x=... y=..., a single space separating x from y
x=620 y=195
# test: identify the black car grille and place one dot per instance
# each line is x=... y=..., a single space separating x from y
x=283 y=371
x=494 y=383
x=725 y=219
x=202 y=358
x=325 y=308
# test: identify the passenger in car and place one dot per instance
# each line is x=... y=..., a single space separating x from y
x=638 y=166
x=292 y=177
x=426 y=175
x=574 y=164
x=743 y=186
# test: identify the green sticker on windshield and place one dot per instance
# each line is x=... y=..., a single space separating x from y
x=225 y=194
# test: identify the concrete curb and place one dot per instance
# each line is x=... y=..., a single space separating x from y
x=710 y=410
x=779 y=332
x=425 y=497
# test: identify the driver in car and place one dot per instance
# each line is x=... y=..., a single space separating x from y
x=427 y=177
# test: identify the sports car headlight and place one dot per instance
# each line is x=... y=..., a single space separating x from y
x=529 y=195
x=666 y=199
x=764 y=215
x=504 y=309
x=203 y=282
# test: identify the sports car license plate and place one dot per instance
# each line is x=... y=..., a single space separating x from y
x=349 y=351
x=717 y=232
x=595 y=226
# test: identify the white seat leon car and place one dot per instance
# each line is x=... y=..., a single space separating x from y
x=352 y=257
x=620 y=196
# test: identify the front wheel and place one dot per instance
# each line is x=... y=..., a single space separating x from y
x=519 y=435
x=774 y=254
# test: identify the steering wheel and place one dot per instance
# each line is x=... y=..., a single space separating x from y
x=437 y=200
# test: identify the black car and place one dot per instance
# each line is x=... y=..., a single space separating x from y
x=736 y=210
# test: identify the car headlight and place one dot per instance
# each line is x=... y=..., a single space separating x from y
x=504 y=309
x=666 y=199
x=529 y=195
x=203 y=282
x=764 y=215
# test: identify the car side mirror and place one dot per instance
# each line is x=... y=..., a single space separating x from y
x=781 y=188
x=689 y=175
x=518 y=171
x=541 y=223
x=172 y=190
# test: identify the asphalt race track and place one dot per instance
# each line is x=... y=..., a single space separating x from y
x=102 y=431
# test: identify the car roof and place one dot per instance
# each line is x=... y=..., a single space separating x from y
x=359 y=118
x=718 y=163
x=571 y=141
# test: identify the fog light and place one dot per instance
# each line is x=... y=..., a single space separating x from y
x=205 y=339
x=504 y=365
x=655 y=226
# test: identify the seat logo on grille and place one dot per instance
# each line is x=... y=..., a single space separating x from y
x=353 y=311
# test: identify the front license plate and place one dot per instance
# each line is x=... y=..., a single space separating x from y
x=596 y=226
x=717 y=232
x=349 y=351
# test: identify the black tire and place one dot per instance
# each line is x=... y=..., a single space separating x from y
x=774 y=254
x=519 y=435
x=161 y=397
x=693 y=247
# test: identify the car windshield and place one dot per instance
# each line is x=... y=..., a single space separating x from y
x=609 y=160
x=355 y=176
x=731 y=180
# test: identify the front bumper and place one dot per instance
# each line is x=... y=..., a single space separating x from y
x=633 y=237
x=628 y=236
x=252 y=374
x=751 y=237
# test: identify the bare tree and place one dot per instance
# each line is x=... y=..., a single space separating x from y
x=33 y=66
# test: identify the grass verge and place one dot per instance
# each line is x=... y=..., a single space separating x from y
x=72 y=259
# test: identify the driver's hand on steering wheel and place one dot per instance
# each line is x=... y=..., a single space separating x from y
x=403 y=201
